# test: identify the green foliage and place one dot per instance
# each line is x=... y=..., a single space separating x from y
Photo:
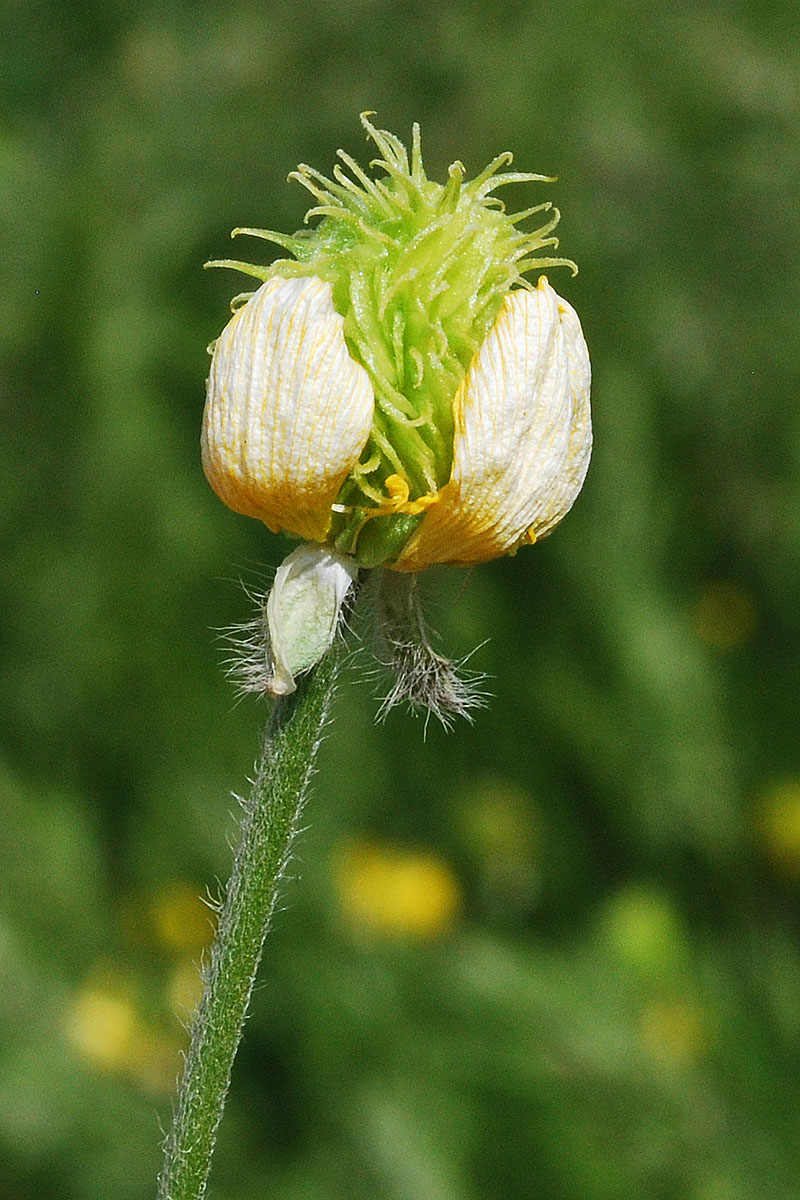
x=592 y=988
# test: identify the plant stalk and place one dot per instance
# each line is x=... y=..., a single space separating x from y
x=269 y=825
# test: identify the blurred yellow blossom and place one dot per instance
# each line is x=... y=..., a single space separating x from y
x=180 y=918
x=717 y=1187
x=102 y=1025
x=498 y=819
x=105 y=1027
x=396 y=892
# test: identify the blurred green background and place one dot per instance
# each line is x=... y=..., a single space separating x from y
x=552 y=955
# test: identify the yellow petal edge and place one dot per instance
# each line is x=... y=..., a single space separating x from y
x=522 y=436
x=288 y=410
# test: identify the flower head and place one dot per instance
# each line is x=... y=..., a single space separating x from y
x=397 y=394
x=398 y=391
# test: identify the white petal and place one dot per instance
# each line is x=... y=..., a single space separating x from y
x=303 y=611
x=522 y=436
x=288 y=410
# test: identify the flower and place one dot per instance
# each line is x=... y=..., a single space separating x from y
x=396 y=892
x=399 y=391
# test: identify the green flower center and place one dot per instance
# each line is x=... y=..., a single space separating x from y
x=419 y=271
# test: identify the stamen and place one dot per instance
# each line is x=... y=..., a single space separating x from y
x=398 y=501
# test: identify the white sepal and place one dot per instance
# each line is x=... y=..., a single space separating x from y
x=303 y=611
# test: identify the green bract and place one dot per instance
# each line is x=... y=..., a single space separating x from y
x=419 y=271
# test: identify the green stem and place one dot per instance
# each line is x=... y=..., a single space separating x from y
x=270 y=823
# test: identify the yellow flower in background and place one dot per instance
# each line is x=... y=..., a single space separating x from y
x=185 y=989
x=394 y=892
x=180 y=918
x=105 y=1027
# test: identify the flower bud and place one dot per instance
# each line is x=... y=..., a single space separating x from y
x=303 y=611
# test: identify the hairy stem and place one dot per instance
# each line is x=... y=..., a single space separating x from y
x=270 y=822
